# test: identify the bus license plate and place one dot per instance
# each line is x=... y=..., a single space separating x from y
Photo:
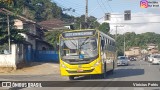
x=80 y=70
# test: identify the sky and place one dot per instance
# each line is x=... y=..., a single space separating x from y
x=142 y=19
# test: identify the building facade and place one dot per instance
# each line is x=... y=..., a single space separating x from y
x=133 y=51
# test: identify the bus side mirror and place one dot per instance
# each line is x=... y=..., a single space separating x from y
x=102 y=43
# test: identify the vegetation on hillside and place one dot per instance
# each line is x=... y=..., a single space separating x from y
x=140 y=40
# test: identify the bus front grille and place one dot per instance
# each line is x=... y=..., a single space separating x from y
x=84 y=71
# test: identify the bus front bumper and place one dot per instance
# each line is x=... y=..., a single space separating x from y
x=81 y=71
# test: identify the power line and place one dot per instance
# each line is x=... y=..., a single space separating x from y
x=93 y=9
x=104 y=5
x=69 y=4
x=109 y=5
x=139 y=16
x=76 y=4
x=64 y=6
x=100 y=6
x=138 y=23
x=75 y=13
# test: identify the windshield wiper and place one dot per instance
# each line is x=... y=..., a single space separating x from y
x=73 y=43
x=85 y=42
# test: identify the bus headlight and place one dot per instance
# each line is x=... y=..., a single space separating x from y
x=97 y=63
x=63 y=66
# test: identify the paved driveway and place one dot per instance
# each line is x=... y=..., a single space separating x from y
x=36 y=68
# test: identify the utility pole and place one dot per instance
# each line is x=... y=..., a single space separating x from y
x=9 y=41
x=86 y=15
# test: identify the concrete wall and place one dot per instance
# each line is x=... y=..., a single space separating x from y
x=18 y=24
x=135 y=52
x=41 y=45
x=14 y=60
x=9 y=60
x=20 y=53
x=30 y=39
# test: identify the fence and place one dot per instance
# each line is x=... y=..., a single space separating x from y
x=46 y=56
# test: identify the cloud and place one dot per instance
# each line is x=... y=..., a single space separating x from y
x=140 y=23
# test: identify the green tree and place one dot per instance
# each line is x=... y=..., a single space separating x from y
x=52 y=37
x=104 y=27
x=14 y=33
x=80 y=23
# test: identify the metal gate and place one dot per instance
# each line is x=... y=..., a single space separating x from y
x=28 y=54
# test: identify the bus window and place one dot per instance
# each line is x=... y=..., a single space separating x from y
x=106 y=41
x=102 y=43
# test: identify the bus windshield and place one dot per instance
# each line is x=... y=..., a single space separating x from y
x=79 y=48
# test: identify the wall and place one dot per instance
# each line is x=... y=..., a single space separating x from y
x=40 y=46
x=18 y=24
x=135 y=52
x=20 y=53
x=14 y=60
x=30 y=39
x=128 y=53
x=9 y=59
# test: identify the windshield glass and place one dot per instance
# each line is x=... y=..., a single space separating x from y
x=122 y=58
x=157 y=56
x=81 y=48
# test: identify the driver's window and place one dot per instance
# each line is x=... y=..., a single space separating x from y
x=102 y=42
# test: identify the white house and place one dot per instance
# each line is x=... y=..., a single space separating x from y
x=23 y=53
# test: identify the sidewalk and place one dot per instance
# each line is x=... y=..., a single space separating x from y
x=36 y=68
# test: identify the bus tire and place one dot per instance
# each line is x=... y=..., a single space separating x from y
x=104 y=72
x=71 y=77
x=112 y=71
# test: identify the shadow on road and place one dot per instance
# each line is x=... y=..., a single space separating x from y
x=91 y=77
x=116 y=74
x=126 y=73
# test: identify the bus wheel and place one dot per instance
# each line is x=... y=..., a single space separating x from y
x=112 y=71
x=71 y=77
x=104 y=72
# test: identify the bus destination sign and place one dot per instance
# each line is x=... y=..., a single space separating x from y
x=78 y=34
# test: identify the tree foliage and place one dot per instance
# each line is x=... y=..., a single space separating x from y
x=49 y=37
x=14 y=33
x=141 y=40
x=81 y=24
x=104 y=27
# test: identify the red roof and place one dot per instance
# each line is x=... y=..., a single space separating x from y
x=53 y=23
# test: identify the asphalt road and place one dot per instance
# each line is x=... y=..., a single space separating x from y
x=136 y=71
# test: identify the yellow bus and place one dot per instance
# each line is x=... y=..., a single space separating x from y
x=86 y=52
